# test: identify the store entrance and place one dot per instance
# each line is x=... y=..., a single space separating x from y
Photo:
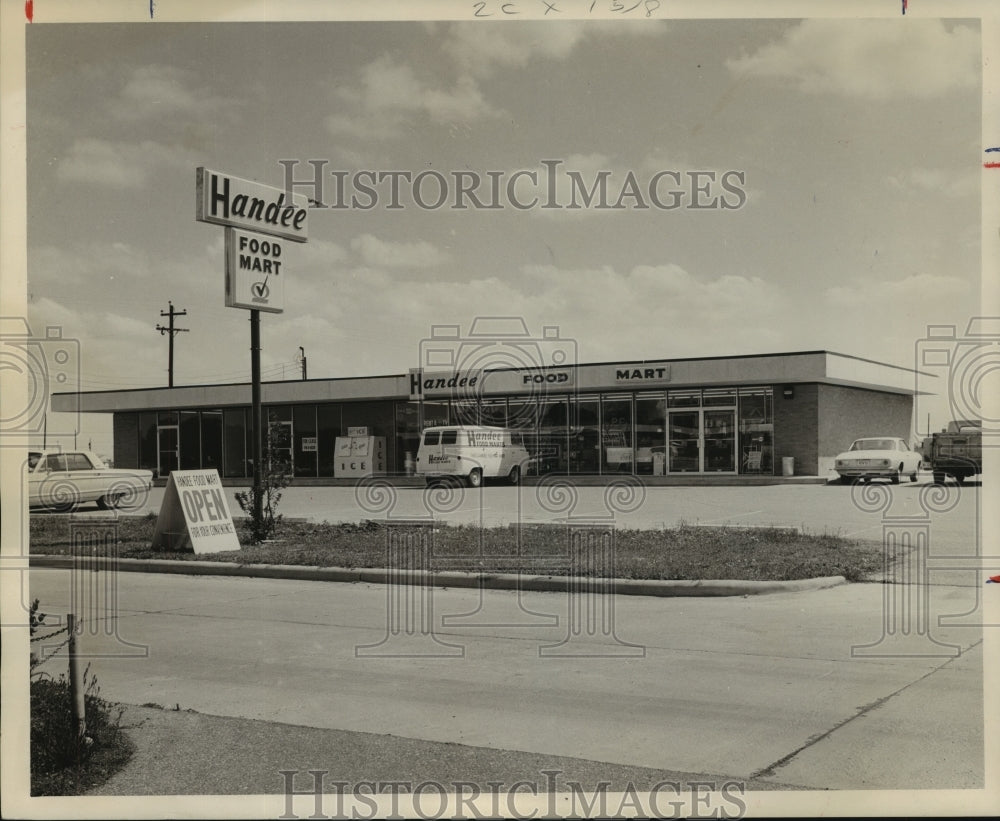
x=702 y=441
x=282 y=453
x=167 y=449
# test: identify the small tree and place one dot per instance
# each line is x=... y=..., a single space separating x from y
x=275 y=477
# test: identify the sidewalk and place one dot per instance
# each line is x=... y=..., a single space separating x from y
x=188 y=753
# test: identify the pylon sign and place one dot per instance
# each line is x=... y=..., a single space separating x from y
x=254 y=271
x=226 y=200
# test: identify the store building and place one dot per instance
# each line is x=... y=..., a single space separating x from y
x=740 y=415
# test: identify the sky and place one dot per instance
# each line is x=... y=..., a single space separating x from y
x=852 y=219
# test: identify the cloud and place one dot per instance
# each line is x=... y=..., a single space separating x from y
x=883 y=298
x=390 y=93
x=376 y=252
x=479 y=49
x=57 y=269
x=120 y=165
x=166 y=93
x=870 y=59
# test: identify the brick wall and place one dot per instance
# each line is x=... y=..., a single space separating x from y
x=126 y=433
x=795 y=427
x=846 y=414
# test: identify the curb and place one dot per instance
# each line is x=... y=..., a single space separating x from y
x=494 y=581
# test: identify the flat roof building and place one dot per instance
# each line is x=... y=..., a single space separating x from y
x=716 y=416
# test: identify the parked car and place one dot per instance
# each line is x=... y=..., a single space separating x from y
x=884 y=457
x=61 y=480
x=956 y=451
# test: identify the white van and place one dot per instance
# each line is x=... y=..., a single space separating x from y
x=471 y=452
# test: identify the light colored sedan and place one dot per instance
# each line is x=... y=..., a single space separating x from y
x=60 y=480
x=883 y=457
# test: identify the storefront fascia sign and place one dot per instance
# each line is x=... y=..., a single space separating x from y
x=457 y=384
x=223 y=199
x=528 y=380
x=641 y=373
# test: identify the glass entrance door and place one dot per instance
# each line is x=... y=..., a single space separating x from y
x=719 y=428
x=167 y=449
x=282 y=454
x=684 y=442
x=702 y=441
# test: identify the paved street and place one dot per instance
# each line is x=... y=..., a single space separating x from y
x=763 y=687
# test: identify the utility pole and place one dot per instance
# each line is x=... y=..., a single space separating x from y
x=302 y=356
x=170 y=329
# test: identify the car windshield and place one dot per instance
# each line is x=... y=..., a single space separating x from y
x=874 y=444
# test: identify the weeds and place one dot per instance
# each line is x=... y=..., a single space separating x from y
x=685 y=552
x=64 y=762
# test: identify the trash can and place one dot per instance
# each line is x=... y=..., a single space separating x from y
x=659 y=462
x=787 y=465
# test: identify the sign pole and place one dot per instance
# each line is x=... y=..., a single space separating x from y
x=256 y=415
x=253 y=215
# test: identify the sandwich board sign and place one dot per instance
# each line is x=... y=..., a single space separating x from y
x=194 y=513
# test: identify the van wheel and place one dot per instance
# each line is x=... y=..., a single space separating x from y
x=514 y=477
x=475 y=478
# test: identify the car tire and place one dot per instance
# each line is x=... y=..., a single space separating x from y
x=109 y=501
x=514 y=477
x=960 y=478
x=913 y=476
x=845 y=480
x=896 y=476
x=939 y=477
x=475 y=477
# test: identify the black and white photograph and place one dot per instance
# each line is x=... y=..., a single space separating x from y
x=499 y=409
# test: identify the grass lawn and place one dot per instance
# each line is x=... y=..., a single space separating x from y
x=686 y=552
